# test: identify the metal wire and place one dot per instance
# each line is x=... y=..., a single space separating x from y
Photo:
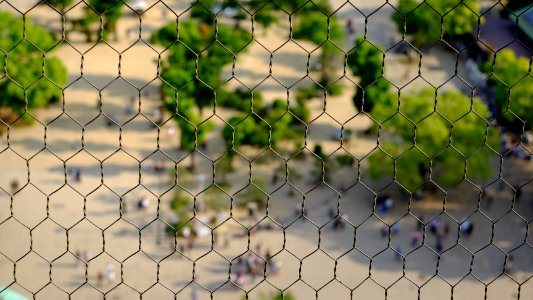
x=117 y=252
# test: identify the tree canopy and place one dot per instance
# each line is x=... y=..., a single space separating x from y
x=201 y=46
x=513 y=86
x=314 y=27
x=59 y=4
x=193 y=71
x=422 y=19
x=366 y=62
x=23 y=83
x=265 y=128
x=202 y=10
x=324 y=31
x=453 y=139
x=109 y=10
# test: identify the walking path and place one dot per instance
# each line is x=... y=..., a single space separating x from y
x=118 y=162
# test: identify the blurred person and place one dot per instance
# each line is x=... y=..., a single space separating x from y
x=384 y=231
x=438 y=245
x=415 y=237
x=100 y=279
x=112 y=120
x=194 y=294
x=15 y=186
x=349 y=27
x=240 y=280
x=434 y=226
x=275 y=177
x=111 y=277
x=331 y=213
x=171 y=131
x=181 y=248
x=395 y=229
x=129 y=106
x=467 y=227
x=143 y=203
x=110 y=273
x=398 y=253
x=75 y=174
x=190 y=242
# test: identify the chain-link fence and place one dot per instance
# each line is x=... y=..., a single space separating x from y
x=266 y=149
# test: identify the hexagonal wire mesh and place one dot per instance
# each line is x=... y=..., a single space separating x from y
x=215 y=149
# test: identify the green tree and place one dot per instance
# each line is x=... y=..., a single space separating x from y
x=202 y=10
x=195 y=76
x=453 y=139
x=23 y=84
x=366 y=62
x=266 y=128
x=267 y=12
x=59 y=4
x=181 y=206
x=513 y=86
x=218 y=52
x=422 y=19
x=110 y=10
x=325 y=31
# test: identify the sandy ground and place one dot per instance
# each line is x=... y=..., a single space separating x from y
x=53 y=217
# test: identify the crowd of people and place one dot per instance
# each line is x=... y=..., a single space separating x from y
x=250 y=266
x=438 y=230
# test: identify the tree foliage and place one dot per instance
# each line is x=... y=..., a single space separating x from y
x=59 y=4
x=314 y=27
x=202 y=10
x=268 y=12
x=366 y=62
x=109 y=10
x=422 y=19
x=459 y=123
x=23 y=83
x=513 y=86
x=192 y=70
x=266 y=128
x=179 y=68
x=324 y=31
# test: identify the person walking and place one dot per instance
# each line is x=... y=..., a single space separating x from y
x=415 y=237
x=110 y=273
x=434 y=226
x=194 y=293
x=438 y=245
x=398 y=253
x=100 y=279
x=15 y=186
